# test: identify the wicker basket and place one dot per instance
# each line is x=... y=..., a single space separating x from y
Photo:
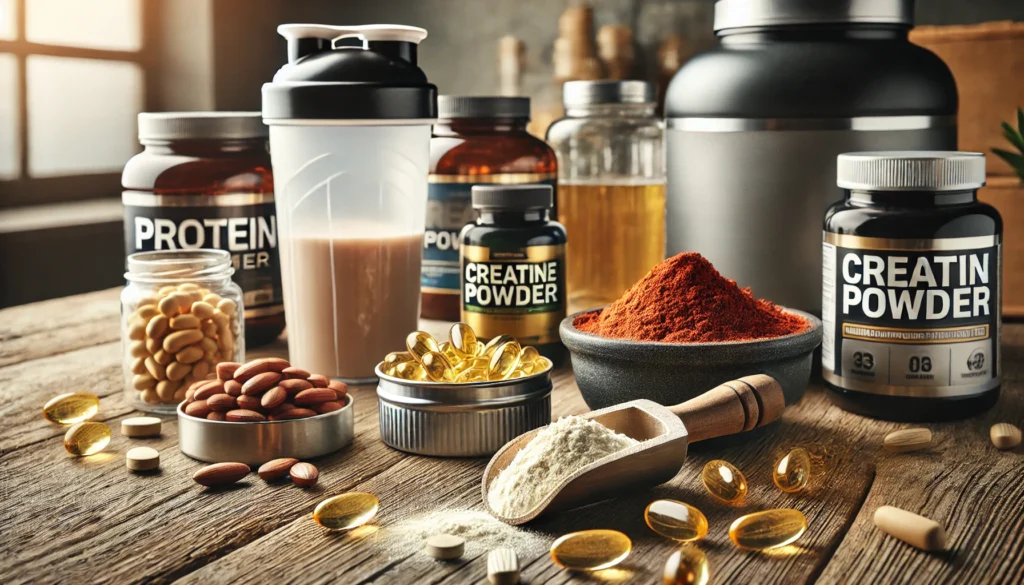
x=987 y=61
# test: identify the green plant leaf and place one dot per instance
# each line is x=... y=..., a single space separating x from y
x=1014 y=159
x=1012 y=136
x=1020 y=119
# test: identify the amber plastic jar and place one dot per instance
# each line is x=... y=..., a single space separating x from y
x=477 y=140
x=204 y=181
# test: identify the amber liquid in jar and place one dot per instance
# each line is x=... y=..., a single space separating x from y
x=616 y=234
x=212 y=191
x=465 y=152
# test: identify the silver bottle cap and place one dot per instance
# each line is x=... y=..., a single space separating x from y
x=911 y=170
x=590 y=93
x=771 y=13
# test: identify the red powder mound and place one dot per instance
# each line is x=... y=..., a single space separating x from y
x=685 y=300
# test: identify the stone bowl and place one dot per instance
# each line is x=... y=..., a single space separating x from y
x=610 y=371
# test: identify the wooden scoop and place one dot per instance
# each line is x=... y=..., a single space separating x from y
x=663 y=432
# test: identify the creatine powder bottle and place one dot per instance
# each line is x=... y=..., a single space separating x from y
x=911 y=287
x=513 y=267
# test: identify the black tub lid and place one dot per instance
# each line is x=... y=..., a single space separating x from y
x=350 y=73
x=766 y=13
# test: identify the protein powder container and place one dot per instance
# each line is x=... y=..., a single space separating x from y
x=476 y=140
x=754 y=126
x=204 y=181
x=513 y=267
x=911 y=287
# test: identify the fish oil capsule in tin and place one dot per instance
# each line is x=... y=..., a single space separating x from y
x=724 y=481
x=410 y=371
x=479 y=363
x=473 y=375
x=676 y=520
x=686 y=566
x=463 y=340
x=86 y=438
x=493 y=344
x=449 y=354
x=591 y=550
x=71 y=408
x=393 y=359
x=505 y=360
x=346 y=511
x=419 y=343
x=792 y=473
x=436 y=366
x=768 y=529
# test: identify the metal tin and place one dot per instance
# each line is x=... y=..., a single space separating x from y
x=255 y=443
x=460 y=420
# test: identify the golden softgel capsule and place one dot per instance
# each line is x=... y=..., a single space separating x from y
x=437 y=367
x=676 y=520
x=488 y=350
x=419 y=343
x=463 y=340
x=724 y=481
x=591 y=550
x=792 y=473
x=86 y=438
x=393 y=359
x=686 y=566
x=768 y=529
x=346 y=511
x=410 y=371
x=67 y=409
x=505 y=360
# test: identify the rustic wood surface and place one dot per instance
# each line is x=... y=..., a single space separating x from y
x=89 y=520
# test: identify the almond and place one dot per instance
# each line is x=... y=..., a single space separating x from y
x=276 y=469
x=340 y=388
x=295 y=373
x=274 y=397
x=260 y=383
x=198 y=409
x=226 y=370
x=233 y=388
x=243 y=373
x=243 y=415
x=295 y=386
x=293 y=414
x=222 y=402
x=220 y=474
x=208 y=389
x=304 y=474
x=248 y=402
x=325 y=407
x=286 y=406
x=319 y=380
x=216 y=416
x=314 y=396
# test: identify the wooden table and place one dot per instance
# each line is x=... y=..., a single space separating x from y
x=90 y=520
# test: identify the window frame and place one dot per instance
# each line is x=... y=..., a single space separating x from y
x=26 y=190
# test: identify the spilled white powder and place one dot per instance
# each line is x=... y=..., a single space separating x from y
x=553 y=454
x=482 y=532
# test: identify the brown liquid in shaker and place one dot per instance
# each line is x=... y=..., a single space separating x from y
x=349 y=302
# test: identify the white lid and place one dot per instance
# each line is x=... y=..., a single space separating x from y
x=368 y=32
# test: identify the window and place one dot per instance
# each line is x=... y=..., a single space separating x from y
x=74 y=75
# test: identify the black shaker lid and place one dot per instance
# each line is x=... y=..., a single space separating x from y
x=330 y=77
x=512 y=197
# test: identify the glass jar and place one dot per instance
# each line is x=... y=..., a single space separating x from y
x=204 y=181
x=179 y=319
x=611 y=192
x=477 y=140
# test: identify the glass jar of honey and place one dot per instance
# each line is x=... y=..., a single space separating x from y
x=203 y=181
x=477 y=140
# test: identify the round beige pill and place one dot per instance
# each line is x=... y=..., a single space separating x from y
x=142 y=459
x=445 y=546
x=141 y=426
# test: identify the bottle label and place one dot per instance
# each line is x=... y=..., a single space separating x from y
x=244 y=224
x=514 y=291
x=448 y=211
x=917 y=318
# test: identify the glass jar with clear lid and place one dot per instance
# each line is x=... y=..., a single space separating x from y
x=180 y=317
x=611 y=187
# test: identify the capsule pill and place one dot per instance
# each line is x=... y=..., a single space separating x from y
x=1004 y=436
x=142 y=459
x=768 y=529
x=419 y=343
x=724 y=481
x=445 y=546
x=462 y=340
x=676 y=520
x=913 y=529
x=71 y=408
x=591 y=550
x=505 y=360
x=346 y=511
x=86 y=438
x=792 y=472
x=686 y=566
x=436 y=367
x=141 y=426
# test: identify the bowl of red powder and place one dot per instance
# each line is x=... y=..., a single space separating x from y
x=683 y=329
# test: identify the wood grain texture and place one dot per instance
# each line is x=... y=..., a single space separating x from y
x=90 y=520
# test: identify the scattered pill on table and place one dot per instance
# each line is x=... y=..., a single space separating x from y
x=907 y=440
x=141 y=426
x=502 y=566
x=1004 y=436
x=923 y=533
x=445 y=546
x=142 y=459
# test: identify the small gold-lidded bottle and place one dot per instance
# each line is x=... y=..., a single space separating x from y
x=71 y=408
x=792 y=473
x=86 y=438
x=686 y=566
x=591 y=550
x=346 y=511
x=768 y=529
x=724 y=481
x=676 y=520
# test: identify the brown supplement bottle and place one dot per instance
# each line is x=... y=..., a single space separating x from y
x=477 y=140
x=204 y=181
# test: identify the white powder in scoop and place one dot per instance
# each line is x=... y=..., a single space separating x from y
x=553 y=454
